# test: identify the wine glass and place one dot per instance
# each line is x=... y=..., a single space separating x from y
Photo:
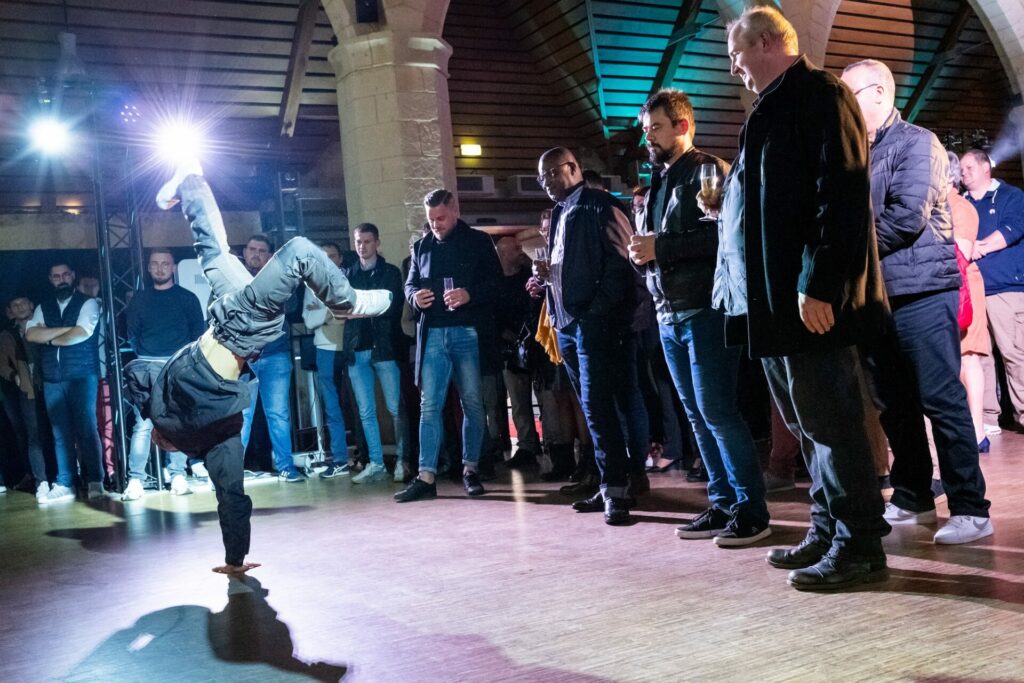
x=710 y=190
x=541 y=258
x=449 y=285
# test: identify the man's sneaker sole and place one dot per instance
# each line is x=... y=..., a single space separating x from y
x=906 y=517
x=877 y=576
x=696 y=535
x=730 y=541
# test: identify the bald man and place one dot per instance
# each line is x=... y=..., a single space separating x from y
x=589 y=297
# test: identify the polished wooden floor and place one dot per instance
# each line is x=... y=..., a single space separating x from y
x=510 y=587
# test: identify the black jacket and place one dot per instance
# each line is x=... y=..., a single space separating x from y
x=597 y=281
x=909 y=181
x=478 y=271
x=682 y=275
x=386 y=329
x=807 y=217
x=189 y=404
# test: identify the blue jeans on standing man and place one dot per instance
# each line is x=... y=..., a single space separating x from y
x=361 y=373
x=274 y=382
x=450 y=353
x=330 y=373
x=704 y=371
x=596 y=355
x=71 y=407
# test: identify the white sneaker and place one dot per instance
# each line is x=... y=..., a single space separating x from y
x=133 y=491
x=3 y=489
x=963 y=529
x=166 y=196
x=42 y=491
x=96 y=490
x=372 y=472
x=59 y=494
x=371 y=301
x=399 y=472
x=179 y=486
x=199 y=471
x=992 y=430
x=897 y=515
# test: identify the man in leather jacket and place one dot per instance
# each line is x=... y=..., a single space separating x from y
x=675 y=250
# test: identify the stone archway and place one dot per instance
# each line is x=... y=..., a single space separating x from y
x=1004 y=22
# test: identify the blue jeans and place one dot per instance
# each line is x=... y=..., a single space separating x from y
x=450 y=352
x=71 y=406
x=361 y=374
x=596 y=360
x=138 y=454
x=914 y=372
x=818 y=396
x=274 y=382
x=330 y=375
x=704 y=371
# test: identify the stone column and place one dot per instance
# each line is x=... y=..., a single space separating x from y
x=396 y=127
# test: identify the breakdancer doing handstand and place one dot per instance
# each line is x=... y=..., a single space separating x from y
x=195 y=399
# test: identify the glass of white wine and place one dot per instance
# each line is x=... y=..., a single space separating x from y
x=711 y=190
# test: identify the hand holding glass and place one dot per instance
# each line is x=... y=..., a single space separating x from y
x=711 y=191
x=449 y=285
x=541 y=267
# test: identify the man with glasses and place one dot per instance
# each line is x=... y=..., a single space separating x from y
x=915 y=367
x=590 y=302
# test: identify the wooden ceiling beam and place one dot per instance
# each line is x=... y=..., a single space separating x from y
x=685 y=27
x=301 y=42
x=944 y=53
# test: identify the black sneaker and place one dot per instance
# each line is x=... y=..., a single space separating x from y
x=417 y=490
x=741 y=532
x=707 y=524
x=471 y=482
x=333 y=471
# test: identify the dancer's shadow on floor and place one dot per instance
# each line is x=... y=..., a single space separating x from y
x=1008 y=595
x=245 y=641
x=142 y=524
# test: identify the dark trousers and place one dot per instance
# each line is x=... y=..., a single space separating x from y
x=224 y=462
x=23 y=416
x=596 y=359
x=914 y=371
x=819 y=399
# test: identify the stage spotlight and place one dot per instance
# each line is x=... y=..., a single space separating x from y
x=49 y=136
x=179 y=142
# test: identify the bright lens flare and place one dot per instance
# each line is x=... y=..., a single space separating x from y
x=50 y=136
x=177 y=143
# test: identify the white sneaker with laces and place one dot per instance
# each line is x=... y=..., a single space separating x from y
x=897 y=515
x=96 y=490
x=963 y=529
x=133 y=491
x=399 y=472
x=59 y=494
x=371 y=301
x=199 y=471
x=166 y=196
x=992 y=430
x=179 y=485
x=372 y=472
x=42 y=491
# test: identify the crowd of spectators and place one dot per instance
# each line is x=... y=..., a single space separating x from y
x=836 y=249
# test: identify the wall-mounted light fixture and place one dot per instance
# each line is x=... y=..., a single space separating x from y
x=471 y=150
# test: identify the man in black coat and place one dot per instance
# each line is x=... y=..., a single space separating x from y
x=915 y=367
x=452 y=287
x=589 y=298
x=798 y=276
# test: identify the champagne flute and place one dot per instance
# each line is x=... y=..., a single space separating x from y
x=449 y=285
x=541 y=257
x=710 y=190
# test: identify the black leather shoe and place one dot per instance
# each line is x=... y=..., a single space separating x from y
x=523 y=460
x=595 y=503
x=417 y=490
x=616 y=511
x=471 y=483
x=586 y=487
x=697 y=472
x=804 y=554
x=838 y=570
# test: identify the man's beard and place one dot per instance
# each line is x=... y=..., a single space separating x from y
x=659 y=155
x=63 y=291
x=163 y=281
